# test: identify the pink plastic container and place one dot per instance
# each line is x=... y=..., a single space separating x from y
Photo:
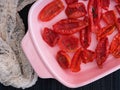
x=42 y=57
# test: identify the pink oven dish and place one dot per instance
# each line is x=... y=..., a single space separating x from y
x=42 y=57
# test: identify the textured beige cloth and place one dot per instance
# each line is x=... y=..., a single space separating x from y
x=23 y=3
x=15 y=70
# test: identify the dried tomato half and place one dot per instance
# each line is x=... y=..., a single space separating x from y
x=69 y=26
x=105 y=4
x=118 y=8
x=76 y=61
x=51 y=10
x=87 y=56
x=109 y=17
x=118 y=24
x=63 y=59
x=105 y=31
x=115 y=43
x=68 y=43
x=71 y=1
x=116 y=53
x=50 y=37
x=117 y=1
x=86 y=19
x=102 y=51
x=94 y=14
x=85 y=35
x=75 y=10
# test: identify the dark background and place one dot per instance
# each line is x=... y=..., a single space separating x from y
x=110 y=82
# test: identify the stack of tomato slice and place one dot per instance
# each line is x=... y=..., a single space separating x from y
x=84 y=22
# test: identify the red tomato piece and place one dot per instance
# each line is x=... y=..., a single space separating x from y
x=94 y=14
x=105 y=31
x=105 y=4
x=50 y=37
x=76 y=10
x=117 y=1
x=115 y=43
x=71 y=1
x=118 y=24
x=68 y=43
x=63 y=59
x=76 y=61
x=102 y=51
x=109 y=17
x=69 y=26
x=51 y=10
x=87 y=56
x=116 y=53
x=85 y=35
x=118 y=8
x=86 y=19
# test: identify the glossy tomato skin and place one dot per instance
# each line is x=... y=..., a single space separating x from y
x=109 y=17
x=115 y=46
x=51 y=10
x=94 y=14
x=76 y=10
x=50 y=37
x=85 y=35
x=102 y=51
x=105 y=31
x=76 y=61
x=71 y=1
x=118 y=24
x=105 y=4
x=68 y=43
x=69 y=26
x=63 y=59
x=87 y=56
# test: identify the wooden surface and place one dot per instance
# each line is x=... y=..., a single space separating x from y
x=110 y=82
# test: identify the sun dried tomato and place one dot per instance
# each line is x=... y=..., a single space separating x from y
x=116 y=53
x=86 y=19
x=117 y=1
x=51 y=10
x=105 y=31
x=69 y=26
x=118 y=8
x=76 y=10
x=109 y=17
x=85 y=35
x=94 y=13
x=71 y=1
x=50 y=37
x=102 y=51
x=76 y=61
x=87 y=56
x=68 y=43
x=105 y=4
x=118 y=24
x=115 y=43
x=63 y=59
